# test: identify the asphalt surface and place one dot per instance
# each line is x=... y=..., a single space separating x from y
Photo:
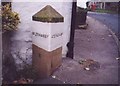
x=96 y=43
x=111 y=20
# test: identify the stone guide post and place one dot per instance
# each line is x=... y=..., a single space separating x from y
x=47 y=41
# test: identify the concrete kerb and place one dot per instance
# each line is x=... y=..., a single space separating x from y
x=116 y=39
x=114 y=36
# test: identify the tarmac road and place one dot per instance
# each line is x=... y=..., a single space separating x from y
x=111 y=20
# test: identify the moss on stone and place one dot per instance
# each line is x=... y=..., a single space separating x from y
x=48 y=14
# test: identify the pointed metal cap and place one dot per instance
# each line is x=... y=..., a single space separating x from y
x=48 y=14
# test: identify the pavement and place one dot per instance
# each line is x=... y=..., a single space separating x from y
x=96 y=43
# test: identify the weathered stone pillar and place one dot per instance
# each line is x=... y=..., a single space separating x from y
x=47 y=41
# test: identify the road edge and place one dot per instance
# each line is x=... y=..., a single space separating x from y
x=116 y=40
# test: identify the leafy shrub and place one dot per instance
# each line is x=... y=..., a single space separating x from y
x=10 y=19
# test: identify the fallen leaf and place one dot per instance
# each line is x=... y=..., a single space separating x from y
x=109 y=35
x=92 y=31
x=87 y=68
x=53 y=76
x=113 y=33
x=117 y=58
x=103 y=38
x=15 y=82
x=64 y=82
x=81 y=62
x=29 y=80
x=89 y=40
x=22 y=81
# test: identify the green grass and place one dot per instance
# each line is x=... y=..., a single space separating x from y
x=105 y=11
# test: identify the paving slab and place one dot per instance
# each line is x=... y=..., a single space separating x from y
x=97 y=43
